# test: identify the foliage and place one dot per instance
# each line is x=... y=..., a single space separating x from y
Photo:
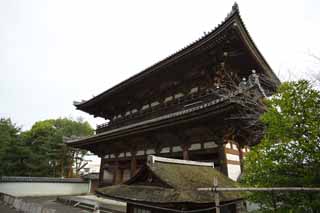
x=289 y=154
x=40 y=151
x=12 y=151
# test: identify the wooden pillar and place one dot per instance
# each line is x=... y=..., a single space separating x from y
x=222 y=159
x=133 y=168
x=185 y=151
x=240 y=157
x=102 y=161
x=116 y=173
x=120 y=175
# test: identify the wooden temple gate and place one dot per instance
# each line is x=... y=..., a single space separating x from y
x=202 y=103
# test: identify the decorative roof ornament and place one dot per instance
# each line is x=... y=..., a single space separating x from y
x=76 y=103
x=235 y=7
x=243 y=84
x=254 y=80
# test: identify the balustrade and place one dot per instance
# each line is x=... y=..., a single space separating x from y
x=158 y=110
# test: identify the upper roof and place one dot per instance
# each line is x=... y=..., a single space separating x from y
x=232 y=20
x=180 y=180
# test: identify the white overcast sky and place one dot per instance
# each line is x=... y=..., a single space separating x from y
x=55 y=52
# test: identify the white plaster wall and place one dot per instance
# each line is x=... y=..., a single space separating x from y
x=233 y=157
x=150 y=151
x=107 y=175
x=165 y=150
x=208 y=145
x=234 y=171
x=43 y=189
x=195 y=146
x=140 y=152
x=176 y=149
x=126 y=174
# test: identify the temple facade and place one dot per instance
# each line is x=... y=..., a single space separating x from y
x=202 y=103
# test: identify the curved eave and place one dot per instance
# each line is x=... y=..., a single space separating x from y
x=255 y=51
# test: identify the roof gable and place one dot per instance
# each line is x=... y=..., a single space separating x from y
x=146 y=177
x=187 y=175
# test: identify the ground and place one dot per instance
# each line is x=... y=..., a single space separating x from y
x=6 y=209
x=48 y=202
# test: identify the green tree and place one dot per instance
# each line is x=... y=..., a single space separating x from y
x=13 y=153
x=8 y=133
x=50 y=156
x=289 y=154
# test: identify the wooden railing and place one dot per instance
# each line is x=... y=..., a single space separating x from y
x=158 y=110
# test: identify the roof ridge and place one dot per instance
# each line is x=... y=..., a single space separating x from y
x=152 y=159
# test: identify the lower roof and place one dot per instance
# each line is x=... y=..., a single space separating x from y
x=180 y=184
x=154 y=194
x=220 y=103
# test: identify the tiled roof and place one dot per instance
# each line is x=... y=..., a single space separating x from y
x=183 y=181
